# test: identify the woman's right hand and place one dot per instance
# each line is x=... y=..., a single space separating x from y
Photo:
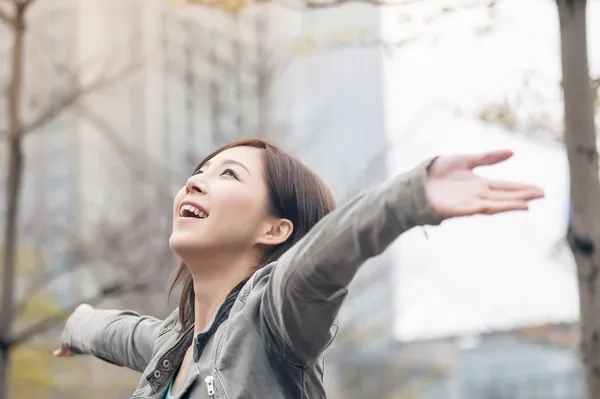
x=63 y=351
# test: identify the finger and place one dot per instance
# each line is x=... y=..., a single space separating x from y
x=488 y=158
x=59 y=353
x=492 y=207
x=524 y=194
x=512 y=186
x=62 y=352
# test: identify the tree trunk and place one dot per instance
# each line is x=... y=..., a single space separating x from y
x=580 y=140
x=14 y=173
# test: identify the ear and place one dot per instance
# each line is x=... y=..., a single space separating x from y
x=276 y=231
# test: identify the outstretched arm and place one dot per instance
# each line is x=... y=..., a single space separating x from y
x=309 y=282
x=123 y=338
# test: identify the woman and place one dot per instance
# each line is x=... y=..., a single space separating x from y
x=265 y=271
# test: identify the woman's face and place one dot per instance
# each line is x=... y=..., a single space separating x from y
x=223 y=207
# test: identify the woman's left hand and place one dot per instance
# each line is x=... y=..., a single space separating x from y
x=454 y=190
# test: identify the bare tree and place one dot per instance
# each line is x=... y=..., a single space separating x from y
x=108 y=236
x=580 y=140
x=13 y=15
x=123 y=260
x=444 y=6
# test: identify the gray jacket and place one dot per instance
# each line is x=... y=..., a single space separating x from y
x=272 y=344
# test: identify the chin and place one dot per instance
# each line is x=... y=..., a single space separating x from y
x=183 y=243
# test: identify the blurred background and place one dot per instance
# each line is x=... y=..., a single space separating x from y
x=121 y=99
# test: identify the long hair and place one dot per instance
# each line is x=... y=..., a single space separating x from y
x=295 y=193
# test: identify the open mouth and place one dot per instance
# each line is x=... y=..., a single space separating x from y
x=190 y=211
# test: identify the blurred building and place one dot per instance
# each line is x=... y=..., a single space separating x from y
x=519 y=364
x=87 y=168
x=331 y=101
x=206 y=79
x=321 y=85
x=261 y=74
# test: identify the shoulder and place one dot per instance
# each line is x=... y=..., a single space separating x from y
x=170 y=325
x=254 y=287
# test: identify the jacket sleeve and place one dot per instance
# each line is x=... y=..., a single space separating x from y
x=309 y=282
x=119 y=337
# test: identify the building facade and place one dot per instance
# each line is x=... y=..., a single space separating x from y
x=319 y=84
x=285 y=76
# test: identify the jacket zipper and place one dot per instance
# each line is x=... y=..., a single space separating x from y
x=210 y=386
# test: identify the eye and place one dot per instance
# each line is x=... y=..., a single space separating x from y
x=231 y=173
x=199 y=171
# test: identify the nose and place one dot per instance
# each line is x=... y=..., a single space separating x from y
x=194 y=183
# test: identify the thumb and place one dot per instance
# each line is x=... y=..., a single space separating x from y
x=487 y=158
x=62 y=351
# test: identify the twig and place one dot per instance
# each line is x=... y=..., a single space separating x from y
x=73 y=97
x=7 y=19
x=27 y=3
x=107 y=237
x=108 y=291
x=315 y=5
x=127 y=154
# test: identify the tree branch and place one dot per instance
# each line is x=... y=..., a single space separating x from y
x=108 y=291
x=23 y=5
x=71 y=98
x=112 y=245
x=312 y=4
x=27 y=3
x=127 y=154
x=7 y=19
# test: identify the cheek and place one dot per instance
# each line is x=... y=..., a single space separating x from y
x=178 y=198
x=246 y=207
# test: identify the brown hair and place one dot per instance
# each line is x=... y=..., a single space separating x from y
x=295 y=193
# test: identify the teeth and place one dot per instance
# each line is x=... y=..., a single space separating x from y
x=192 y=209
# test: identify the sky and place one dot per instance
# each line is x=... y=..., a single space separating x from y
x=480 y=274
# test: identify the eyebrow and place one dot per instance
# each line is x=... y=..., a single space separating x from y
x=231 y=162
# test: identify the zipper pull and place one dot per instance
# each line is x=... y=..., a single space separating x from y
x=210 y=386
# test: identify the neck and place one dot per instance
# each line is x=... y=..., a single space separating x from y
x=213 y=283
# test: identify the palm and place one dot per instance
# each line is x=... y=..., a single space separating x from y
x=454 y=190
